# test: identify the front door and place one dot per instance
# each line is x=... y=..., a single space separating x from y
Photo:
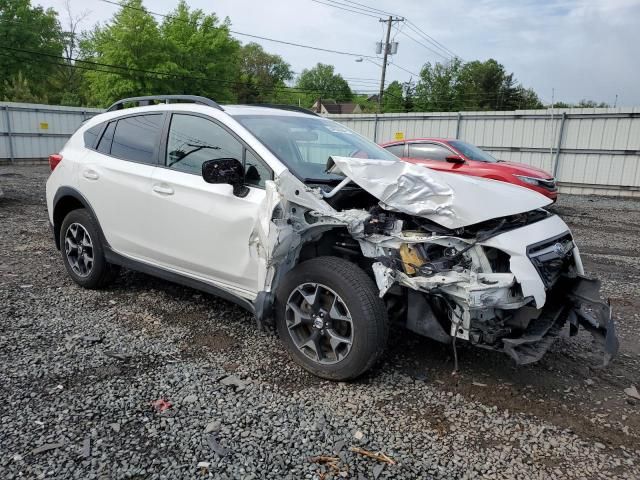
x=201 y=229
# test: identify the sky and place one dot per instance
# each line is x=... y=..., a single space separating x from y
x=566 y=50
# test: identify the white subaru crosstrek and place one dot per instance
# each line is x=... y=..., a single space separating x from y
x=304 y=222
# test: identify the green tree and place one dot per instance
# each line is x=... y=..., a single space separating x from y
x=68 y=80
x=409 y=96
x=484 y=86
x=262 y=76
x=201 y=54
x=322 y=82
x=561 y=105
x=393 y=98
x=584 y=103
x=367 y=105
x=131 y=41
x=526 y=99
x=18 y=89
x=475 y=85
x=32 y=39
x=438 y=88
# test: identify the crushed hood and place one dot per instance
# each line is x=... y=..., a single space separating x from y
x=449 y=199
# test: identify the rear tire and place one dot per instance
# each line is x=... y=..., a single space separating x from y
x=331 y=319
x=83 y=252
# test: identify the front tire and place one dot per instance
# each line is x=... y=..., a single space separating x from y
x=83 y=252
x=331 y=319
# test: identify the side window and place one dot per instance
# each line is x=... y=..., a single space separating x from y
x=194 y=140
x=428 y=151
x=107 y=138
x=397 y=150
x=136 y=138
x=255 y=171
x=91 y=135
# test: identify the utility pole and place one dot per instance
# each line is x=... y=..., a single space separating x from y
x=386 y=47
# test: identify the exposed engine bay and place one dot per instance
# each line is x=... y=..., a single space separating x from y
x=447 y=270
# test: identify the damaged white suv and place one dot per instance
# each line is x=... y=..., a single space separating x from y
x=299 y=219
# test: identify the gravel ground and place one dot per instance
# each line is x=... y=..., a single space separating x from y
x=82 y=368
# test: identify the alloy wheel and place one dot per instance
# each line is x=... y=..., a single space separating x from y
x=319 y=323
x=78 y=248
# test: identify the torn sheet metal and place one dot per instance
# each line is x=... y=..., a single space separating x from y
x=449 y=199
x=594 y=315
x=578 y=301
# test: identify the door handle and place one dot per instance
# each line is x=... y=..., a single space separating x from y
x=90 y=175
x=163 y=190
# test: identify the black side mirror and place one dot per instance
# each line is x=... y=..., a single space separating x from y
x=226 y=170
x=454 y=159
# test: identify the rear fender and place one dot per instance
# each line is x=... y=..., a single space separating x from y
x=65 y=200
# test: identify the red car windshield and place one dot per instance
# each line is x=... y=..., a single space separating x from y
x=472 y=152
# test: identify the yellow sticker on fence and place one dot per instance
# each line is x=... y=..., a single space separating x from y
x=44 y=126
x=399 y=136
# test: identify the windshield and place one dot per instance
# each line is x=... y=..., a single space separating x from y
x=472 y=152
x=304 y=144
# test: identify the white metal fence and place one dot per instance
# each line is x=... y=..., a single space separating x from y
x=30 y=132
x=591 y=151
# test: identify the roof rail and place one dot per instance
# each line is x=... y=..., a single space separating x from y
x=291 y=108
x=148 y=100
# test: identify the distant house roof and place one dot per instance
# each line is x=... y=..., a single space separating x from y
x=331 y=106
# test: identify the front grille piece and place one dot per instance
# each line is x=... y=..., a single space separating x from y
x=552 y=257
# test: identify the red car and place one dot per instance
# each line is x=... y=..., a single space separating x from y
x=457 y=156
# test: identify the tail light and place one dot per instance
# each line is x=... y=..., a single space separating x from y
x=54 y=160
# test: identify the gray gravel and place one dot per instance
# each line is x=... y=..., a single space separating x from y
x=82 y=368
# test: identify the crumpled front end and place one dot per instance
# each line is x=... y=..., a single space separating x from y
x=514 y=291
x=501 y=273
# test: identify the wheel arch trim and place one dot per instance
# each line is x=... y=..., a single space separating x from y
x=70 y=192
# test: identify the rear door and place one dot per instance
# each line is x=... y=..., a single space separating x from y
x=200 y=229
x=115 y=177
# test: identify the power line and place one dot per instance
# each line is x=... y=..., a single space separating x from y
x=404 y=69
x=360 y=10
x=344 y=8
x=411 y=24
x=124 y=69
x=235 y=32
x=430 y=38
x=440 y=51
x=425 y=46
x=347 y=78
x=381 y=12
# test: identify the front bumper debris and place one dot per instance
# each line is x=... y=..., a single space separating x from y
x=573 y=300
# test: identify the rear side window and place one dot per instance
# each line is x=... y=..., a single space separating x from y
x=397 y=150
x=91 y=135
x=107 y=137
x=428 y=151
x=136 y=138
